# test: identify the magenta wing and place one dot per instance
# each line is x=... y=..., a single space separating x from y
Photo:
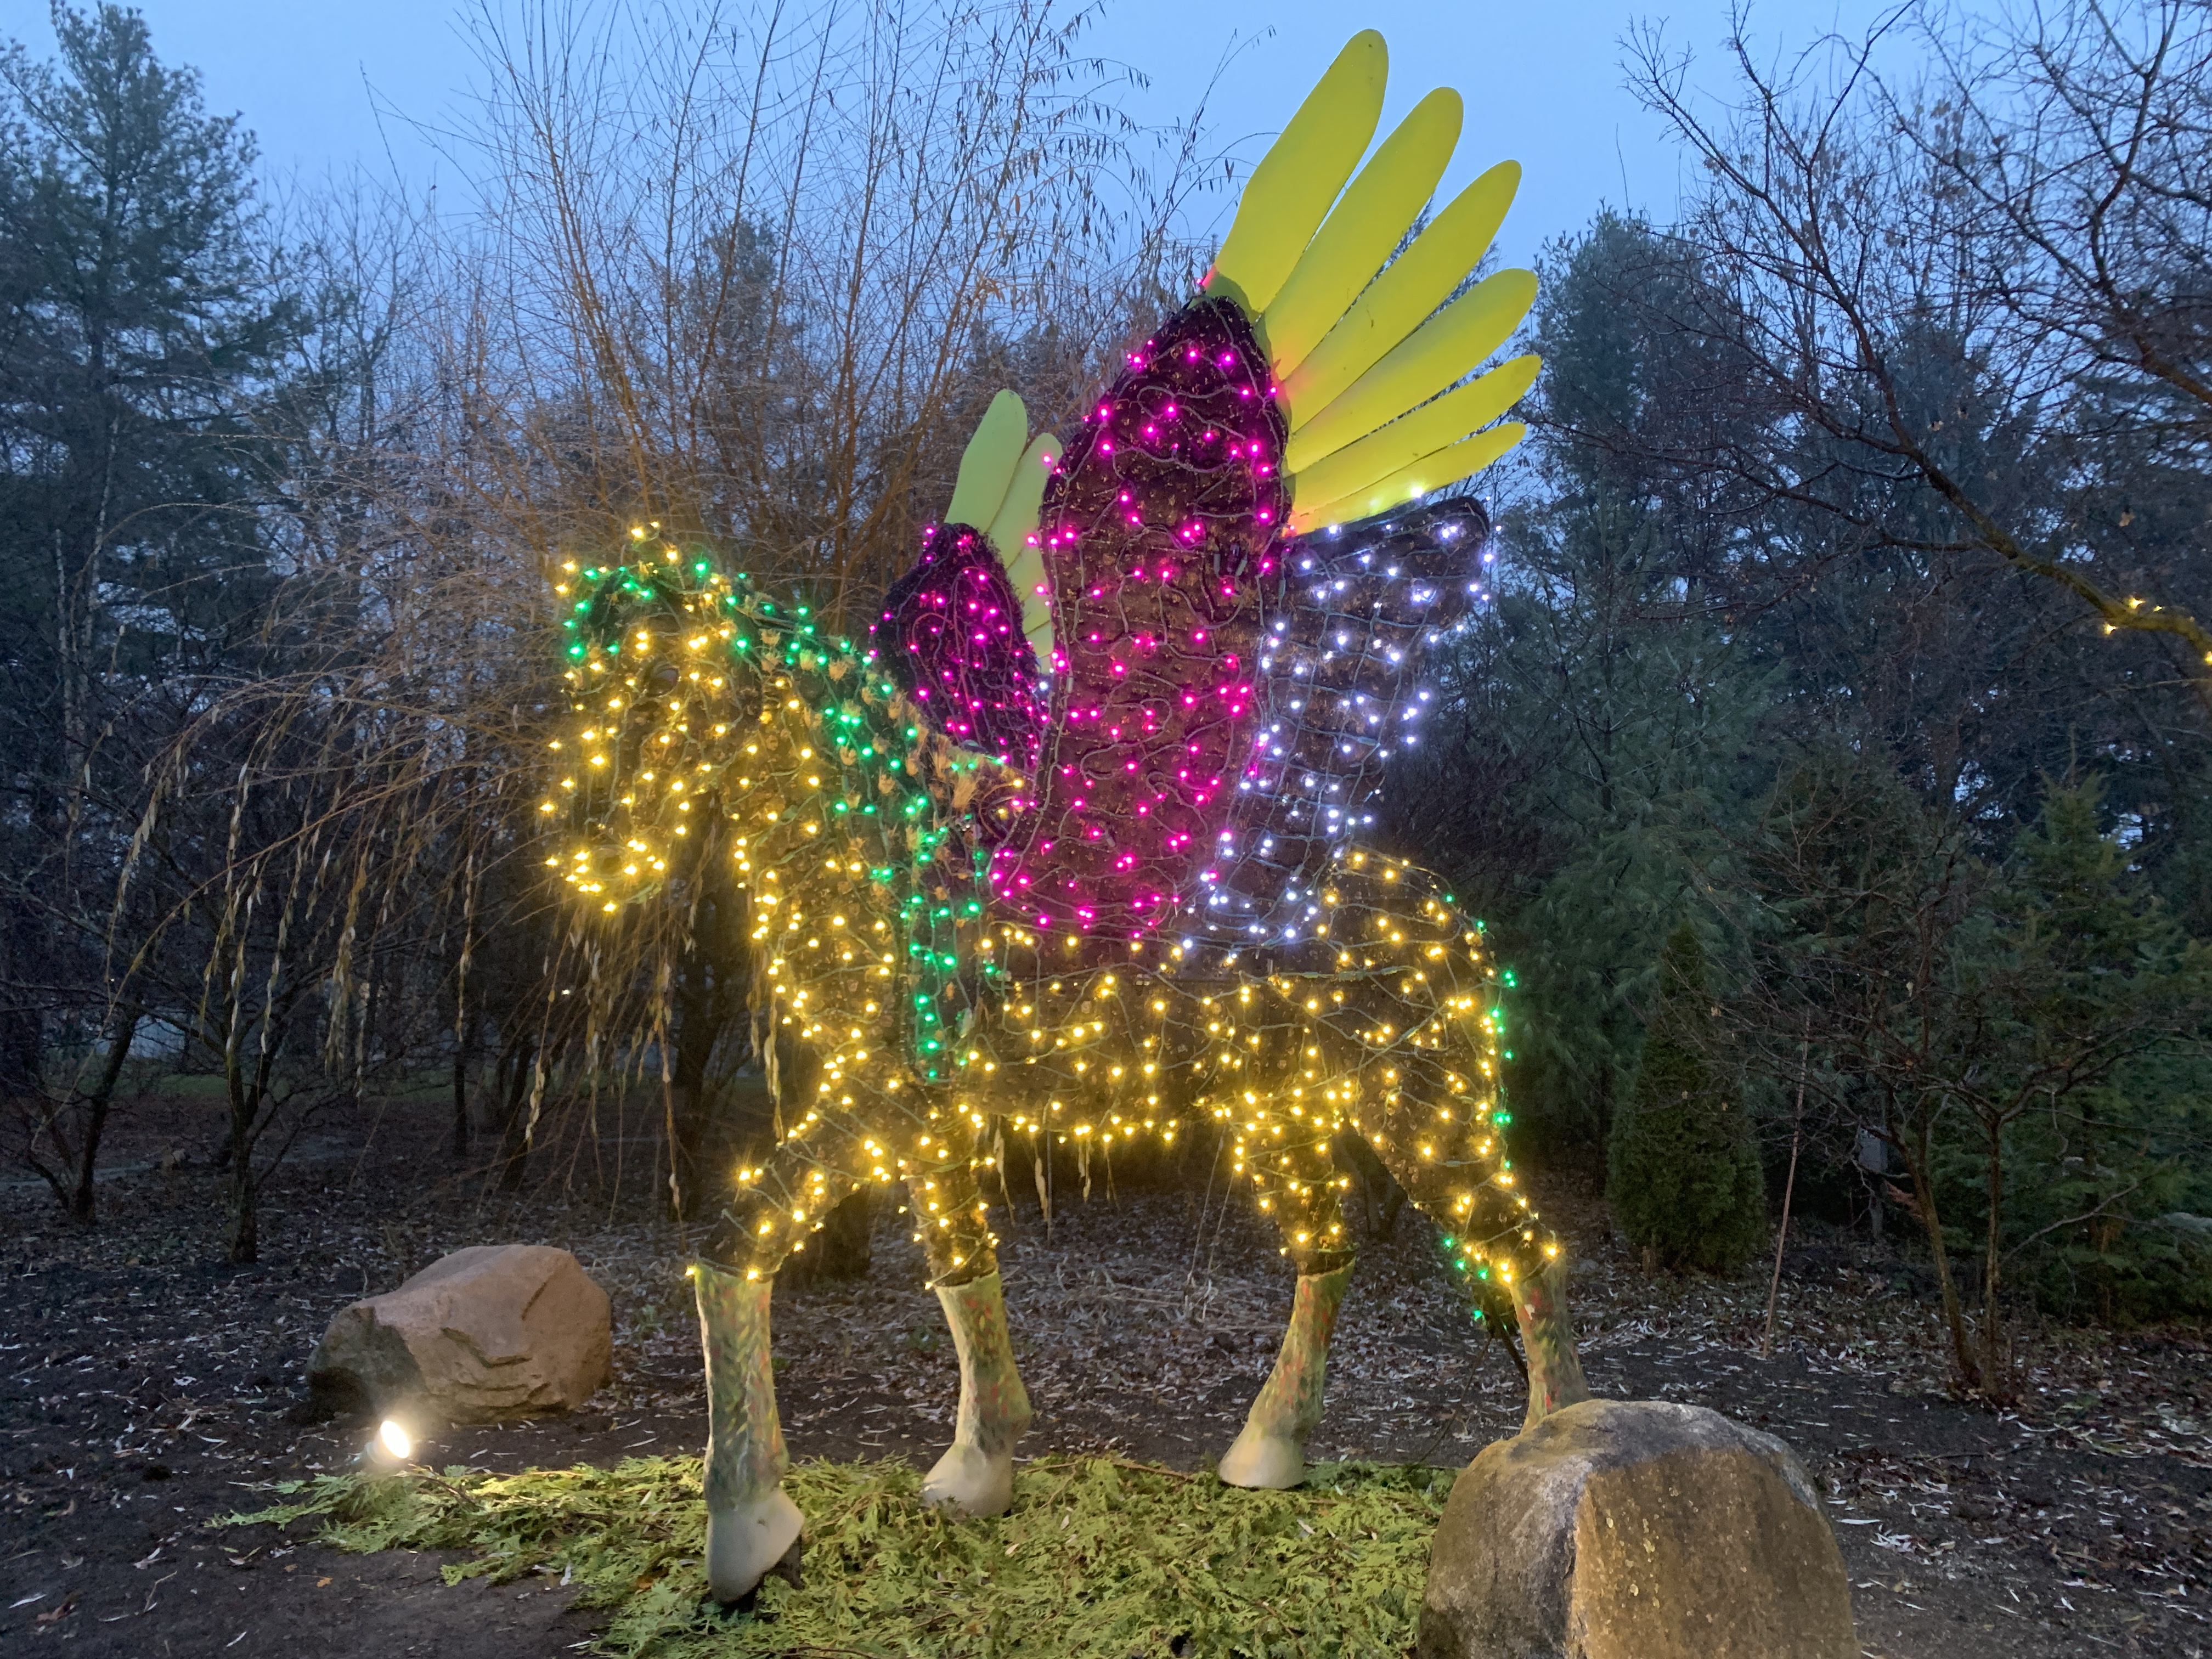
x=1223 y=697
x=1157 y=534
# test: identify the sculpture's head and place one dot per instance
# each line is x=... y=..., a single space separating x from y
x=711 y=723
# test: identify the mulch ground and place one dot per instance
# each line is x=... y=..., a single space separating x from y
x=146 y=1390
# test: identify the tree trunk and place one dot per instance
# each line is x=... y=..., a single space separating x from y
x=2104 y=1238
x=464 y=1024
x=520 y=1063
x=245 y=1107
x=245 y=1219
x=709 y=994
x=839 y=1250
x=1381 y=1199
x=687 y=1096
x=1994 y=1378
x=245 y=1224
x=1789 y=1192
x=460 y=1102
x=96 y=1104
x=1924 y=1198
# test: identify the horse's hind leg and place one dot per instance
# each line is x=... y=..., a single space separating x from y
x=976 y=1476
x=1445 y=1149
x=752 y=1526
x=1297 y=1185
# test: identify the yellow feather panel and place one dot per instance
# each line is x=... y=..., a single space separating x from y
x=1363 y=229
x=1439 y=352
x=1422 y=432
x=1299 y=177
x=1013 y=532
x=1398 y=300
x=1447 y=466
x=986 y=465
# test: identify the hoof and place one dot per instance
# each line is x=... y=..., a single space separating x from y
x=1267 y=1462
x=970 y=1482
x=746 y=1544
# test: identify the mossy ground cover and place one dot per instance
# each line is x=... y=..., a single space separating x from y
x=1096 y=1557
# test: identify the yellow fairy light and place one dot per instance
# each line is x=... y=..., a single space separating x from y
x=846 y=815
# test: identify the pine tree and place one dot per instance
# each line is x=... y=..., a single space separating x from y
x=1598 y=732
x=1683 y=1171
x=2089 y=1108
x=145 y=338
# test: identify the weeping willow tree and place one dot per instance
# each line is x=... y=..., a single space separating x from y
x=752 y=281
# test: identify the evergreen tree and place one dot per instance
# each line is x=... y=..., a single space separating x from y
x=1683 y=1174
x=1597 y=733
x=145 y=336
x=2091 y=1106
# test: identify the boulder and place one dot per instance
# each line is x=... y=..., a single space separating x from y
x=487 y=1333
x=1636 y=1530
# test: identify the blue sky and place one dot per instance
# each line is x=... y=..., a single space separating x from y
x=1543 y=82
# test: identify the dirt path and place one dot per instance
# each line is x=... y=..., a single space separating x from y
x=144 y=1393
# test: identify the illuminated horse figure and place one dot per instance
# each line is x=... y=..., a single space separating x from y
x=1101 y=900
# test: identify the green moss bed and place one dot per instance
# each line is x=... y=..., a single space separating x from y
x=1097 y=1558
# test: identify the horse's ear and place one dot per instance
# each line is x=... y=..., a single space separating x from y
x=988 y=463
x=1001 y=492
x=955 y=630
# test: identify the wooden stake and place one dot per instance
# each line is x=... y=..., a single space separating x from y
x=1789 y=1191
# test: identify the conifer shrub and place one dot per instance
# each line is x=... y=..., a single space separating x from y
x=1682 y=1167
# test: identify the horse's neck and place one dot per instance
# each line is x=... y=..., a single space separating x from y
x=849 y=811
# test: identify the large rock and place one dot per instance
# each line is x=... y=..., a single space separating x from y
x=1636 y=1530
x=490 y=1333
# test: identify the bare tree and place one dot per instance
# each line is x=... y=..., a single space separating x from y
x=1957 y=305
x=1932 y=1002
x=1851 y=914
x=736 y=277
x=750 y=277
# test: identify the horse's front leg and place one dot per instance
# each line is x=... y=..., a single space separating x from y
x=976 y=1476
x=1298 y=1186
x=1548 y=1338
x=752 y=1525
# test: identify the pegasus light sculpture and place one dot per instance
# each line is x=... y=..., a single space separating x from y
x=1072 y=845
